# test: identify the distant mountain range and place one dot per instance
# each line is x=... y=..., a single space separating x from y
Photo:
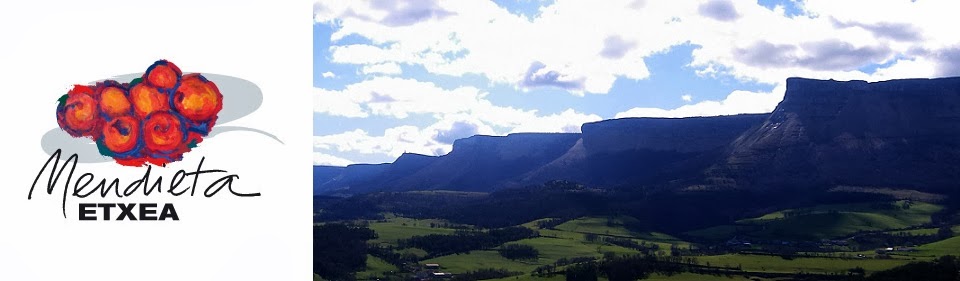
x=825 y=133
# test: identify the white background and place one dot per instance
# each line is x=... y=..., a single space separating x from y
x=45 y=47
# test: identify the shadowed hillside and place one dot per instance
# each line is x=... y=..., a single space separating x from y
x=899 y=134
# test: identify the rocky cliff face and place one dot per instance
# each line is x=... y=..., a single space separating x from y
x=900 y=133
x=477 y=163
x=645 y=150
x=682 y=135
x=483 y=163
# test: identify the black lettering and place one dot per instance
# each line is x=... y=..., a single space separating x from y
x=77 y=188
x=126 y=211
x=53 y=180
x=175 y=181
x=104 y=188
x=106 y=209
x=148 y=211
x=169 y=212
x=85 y=211
x=230 y=187
x=142 y=181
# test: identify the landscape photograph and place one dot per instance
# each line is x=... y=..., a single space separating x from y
x=636 y=140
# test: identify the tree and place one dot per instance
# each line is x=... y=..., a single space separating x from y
x=945 y=232
x=590 y=237
x=518 y=252
x=339 y=250
x=582 y=272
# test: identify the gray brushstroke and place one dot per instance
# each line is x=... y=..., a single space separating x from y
x=85 y=148
x=223 y=129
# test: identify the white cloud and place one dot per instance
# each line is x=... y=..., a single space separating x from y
x=397 y=98
x=557 y=48
x=382 y=68
x=567 y=46
x=393 y=142
x=437 y=139
x=481 y=37
x=568 y=121
x=401 y=97
x=328 y=74
x=329 y=160
x=735 y=103
x=460 y=112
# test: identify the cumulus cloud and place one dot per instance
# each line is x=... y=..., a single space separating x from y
x=458 y=130
x=948 y=61
x=538 y=75
x=392 y=142
x=890 y=30
x=401 y=97
x=556 y=49
x=459 y=112
x=721 y=10
x=393 y=13
x=329 y=160
x=568 y=121
x=397 y=98
x=328 y=74
x=463 y=42
x=407 y=12
x=829 y=54
x=564 y=47
x=736 y=102
x=839 y=55
x=382 y=68
x=615 y=47
x=438 y=138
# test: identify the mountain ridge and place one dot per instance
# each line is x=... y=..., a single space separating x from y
x=824 y=133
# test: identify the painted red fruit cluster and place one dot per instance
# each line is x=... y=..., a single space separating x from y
x=153 y=119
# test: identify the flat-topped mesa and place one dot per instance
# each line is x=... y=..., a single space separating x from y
x=898 y=133
x=684 y=135
x=515 y=145
x=408 y=158
x=888 y=109
x=891 y=133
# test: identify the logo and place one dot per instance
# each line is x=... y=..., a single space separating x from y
x=153 y=119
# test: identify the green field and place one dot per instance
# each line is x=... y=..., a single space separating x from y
x=695 y=277
x=949 y=246
x=395 y=228
x=480 y=259
x=615 y=227
x=763 y=263
x=595 y=225
x=558 y=277
x=825 y=221
x=569 y=240
x=375 y=268
x=551 y=249
x=914 y=232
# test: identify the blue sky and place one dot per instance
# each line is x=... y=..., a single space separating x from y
x=411 y=76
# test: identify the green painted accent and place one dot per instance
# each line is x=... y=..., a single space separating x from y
x=135 y=81
x=62 y=99
x=192 y=144
x=103 y=149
